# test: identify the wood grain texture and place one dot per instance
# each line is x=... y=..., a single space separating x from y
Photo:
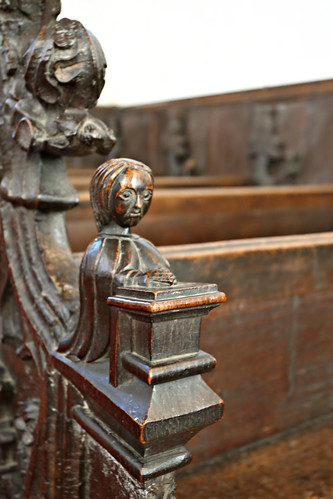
x=273 y=339
x=199 y=215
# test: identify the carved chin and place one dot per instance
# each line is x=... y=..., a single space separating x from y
x=129 y=221
x=132 y=221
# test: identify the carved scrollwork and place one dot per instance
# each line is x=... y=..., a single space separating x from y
x=9 y=482
x=25 y=424
x=66 y=54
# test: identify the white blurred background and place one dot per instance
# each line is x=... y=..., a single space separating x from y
x=159 y=50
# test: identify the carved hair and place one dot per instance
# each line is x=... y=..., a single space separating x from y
x=101 y=186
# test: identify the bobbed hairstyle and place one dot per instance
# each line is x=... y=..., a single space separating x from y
x=102 y=183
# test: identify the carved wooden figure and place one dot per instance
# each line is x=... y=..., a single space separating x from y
x=100 y=382
x=121 y=192
x=176 y=143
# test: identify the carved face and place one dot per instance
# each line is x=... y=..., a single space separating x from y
x=133 y=192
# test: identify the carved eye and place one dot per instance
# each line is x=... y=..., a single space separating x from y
x=147 y=195
x=126 y=194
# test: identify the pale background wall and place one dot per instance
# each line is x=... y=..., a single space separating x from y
x=170 y=49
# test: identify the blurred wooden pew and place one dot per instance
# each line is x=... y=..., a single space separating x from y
x=198 y=215
x=80 y=178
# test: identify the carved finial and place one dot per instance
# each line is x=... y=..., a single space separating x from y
x=65 y=75
x=66 y=57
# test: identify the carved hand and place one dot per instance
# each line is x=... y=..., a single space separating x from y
x=161 y=275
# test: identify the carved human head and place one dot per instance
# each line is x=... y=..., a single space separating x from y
x=121 y=191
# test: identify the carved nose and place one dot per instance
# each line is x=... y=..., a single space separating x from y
x=138 y=203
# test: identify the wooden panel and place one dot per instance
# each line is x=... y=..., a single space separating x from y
x=273 y=339
x=286 y=127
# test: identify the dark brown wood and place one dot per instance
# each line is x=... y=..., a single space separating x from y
x=100 y=385
x=277 y=326
x=177 y=145
x=100 y=396
x=135 y=317
x=275 y=333
x=194 y=215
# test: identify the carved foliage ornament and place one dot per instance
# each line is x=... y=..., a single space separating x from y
x=65 y=74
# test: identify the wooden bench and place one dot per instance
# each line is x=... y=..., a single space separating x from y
x=271 y=135
x=199 y=215
x=274 y=337
x=276 y=328
x=101 y=386
x=80 y=178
